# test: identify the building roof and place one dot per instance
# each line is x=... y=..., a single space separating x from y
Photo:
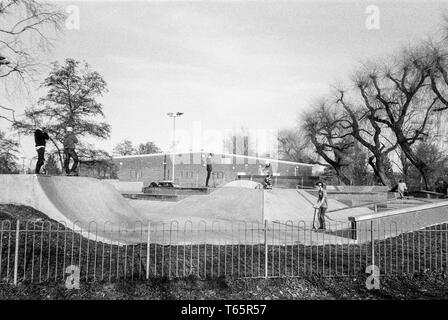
x=221 y=154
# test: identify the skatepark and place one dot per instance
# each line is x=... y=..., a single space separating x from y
x=223 y=215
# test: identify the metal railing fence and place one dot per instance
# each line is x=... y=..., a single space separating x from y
x=49 y=251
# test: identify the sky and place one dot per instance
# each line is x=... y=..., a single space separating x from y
x=225 y=64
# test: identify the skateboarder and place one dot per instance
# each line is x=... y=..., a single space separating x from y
x=322 y=204
x=402 y=189
x=209 y=162
x=40 y=139
x=70 y=141
x=267 y=171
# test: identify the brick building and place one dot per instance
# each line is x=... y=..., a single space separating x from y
x=190 y=168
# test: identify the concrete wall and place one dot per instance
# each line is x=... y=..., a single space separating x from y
x=284 y=181
x=354 y=198
x=190 y=169
x=126 y=186
x=392 y=223
x=359 y=188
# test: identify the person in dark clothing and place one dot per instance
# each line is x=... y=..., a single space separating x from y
x=40 y=140
x=70 y=141
x=322 y=204
x=209 y=162
x=268 y=172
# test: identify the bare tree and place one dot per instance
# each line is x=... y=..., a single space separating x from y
x=8 y=154
x=401 y=96
x=294 y=145
x=368 y=132
x=322 y=125
x=10 y=118
x=148 y=147
x=26 y=31
x=124 y=148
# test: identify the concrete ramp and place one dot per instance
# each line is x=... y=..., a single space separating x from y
x=82 y=200
x=224 y=204
x=69 y=199
x=297 y=205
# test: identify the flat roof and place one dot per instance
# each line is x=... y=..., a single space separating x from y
x=221 y=154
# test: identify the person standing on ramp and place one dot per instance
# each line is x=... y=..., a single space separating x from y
x=267 y=172
x=70 y=141
x=209 y=162
x=322 y=204
x=40 y=139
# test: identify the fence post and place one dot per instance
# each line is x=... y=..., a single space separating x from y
x=266 y=249
x=372 y=236
x=147 y=250
x=262 y=203
x=16 y=253
x=372 y=239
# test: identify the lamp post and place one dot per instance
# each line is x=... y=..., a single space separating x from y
x=174 y=116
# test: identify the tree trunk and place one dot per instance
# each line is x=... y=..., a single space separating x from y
x=379 y=170
x=342 y=177
x=421 y=166
x=335 y=165
x=61 y=161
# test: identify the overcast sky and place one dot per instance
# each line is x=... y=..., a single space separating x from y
x=227 y=64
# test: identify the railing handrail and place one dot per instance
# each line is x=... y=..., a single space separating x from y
x=395 y=212
x=361 y=205
x=376 y=203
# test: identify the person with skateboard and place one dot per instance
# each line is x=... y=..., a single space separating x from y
x=40 y=139
x=70 y=141
x=267 y=171
x=209 y=163
x=322 y=205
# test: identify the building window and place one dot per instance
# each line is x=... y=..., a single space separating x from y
x=187 y=174
x=219 y=175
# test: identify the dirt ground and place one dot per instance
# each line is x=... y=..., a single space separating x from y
x=422 y=286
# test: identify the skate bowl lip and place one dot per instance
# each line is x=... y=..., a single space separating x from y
x=87 y=227
x=243 y=184
x=37 y=191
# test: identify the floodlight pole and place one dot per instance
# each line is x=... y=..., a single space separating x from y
x=174 y=145
x=174 y=116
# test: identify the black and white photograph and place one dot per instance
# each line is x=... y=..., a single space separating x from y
x=210 y=151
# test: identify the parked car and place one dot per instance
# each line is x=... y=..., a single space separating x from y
x=166 y=184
